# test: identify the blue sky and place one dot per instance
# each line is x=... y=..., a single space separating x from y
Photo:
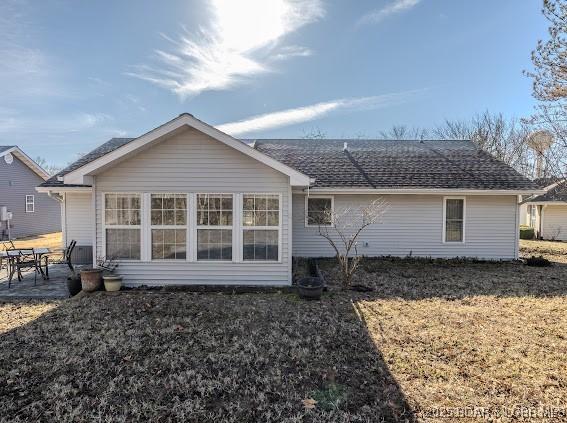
x=75 y=73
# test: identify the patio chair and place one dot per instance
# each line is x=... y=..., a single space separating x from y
x=20 y=261
x=4 y=261
x=65 y=256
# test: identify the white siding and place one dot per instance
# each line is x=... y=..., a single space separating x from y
x=78 y=218
x=413 y=225
x=191 y=162
x=554 y=222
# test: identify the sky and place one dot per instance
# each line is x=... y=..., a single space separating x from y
x=74 y=74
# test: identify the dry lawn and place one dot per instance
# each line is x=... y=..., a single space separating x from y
x=51 y=241
x=552 y=250
x=433 y=337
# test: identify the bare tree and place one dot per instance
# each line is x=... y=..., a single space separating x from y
x=550 y=84
x=50 y=169
x=505 y=139
x=403 y=132
x=314 y=134
x=342 y=229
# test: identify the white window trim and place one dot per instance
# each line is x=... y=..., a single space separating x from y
x=445 y=221
x=141 y=226
x=186 y=227
x=32 y=203
x=271 y=228
x=196 y=226
x=307 y=197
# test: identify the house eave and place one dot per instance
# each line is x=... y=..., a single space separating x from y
x=429 y=191
x=63 y=189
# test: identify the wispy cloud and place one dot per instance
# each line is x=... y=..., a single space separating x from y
x=315 y=111
x=243 y=39
x=397 y=6
x=12 y=123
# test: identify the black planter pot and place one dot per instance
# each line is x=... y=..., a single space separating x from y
x=74 y=285
x=310 y=288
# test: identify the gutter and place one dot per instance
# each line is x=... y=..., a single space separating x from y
x=430 y=191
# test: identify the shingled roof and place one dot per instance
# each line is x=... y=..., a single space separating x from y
x=396 y=164
x=556 y=194
x=100 y=151
x=372 y=164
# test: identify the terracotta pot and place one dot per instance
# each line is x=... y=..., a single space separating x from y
x=112 y=283
x=91 y=279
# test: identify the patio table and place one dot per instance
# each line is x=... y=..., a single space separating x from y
x=38 y=253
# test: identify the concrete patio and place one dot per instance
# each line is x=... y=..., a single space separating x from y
x=54 y=287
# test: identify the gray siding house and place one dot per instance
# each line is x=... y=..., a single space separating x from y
x=187 y=203
x=33 y=213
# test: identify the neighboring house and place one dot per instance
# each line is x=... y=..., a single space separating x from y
x=547 y=213
x=186 y=203
x=32 y=213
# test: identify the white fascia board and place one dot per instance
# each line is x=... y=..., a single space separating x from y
x=77 y=176
x=432 y=191
x=63 y=189
x=546 y=203
x=28 y=161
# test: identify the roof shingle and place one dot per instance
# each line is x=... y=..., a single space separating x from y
x=374 y=164
x=395 y=164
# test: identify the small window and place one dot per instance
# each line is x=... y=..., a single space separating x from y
x=261 y=227
x=30 y=204
x=214 y=227
x=318 y=211
x=454 y=219
x=122 y=223
x=169 y=226
x=533 y=216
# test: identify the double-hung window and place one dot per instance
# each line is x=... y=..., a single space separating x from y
x=454 y=212
x=169 y=226
x=122 y=222
x=214 y=227
x=318 y=211
x=260 y=227
x=30 y=204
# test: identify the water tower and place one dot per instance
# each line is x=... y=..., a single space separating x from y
x=540 y=142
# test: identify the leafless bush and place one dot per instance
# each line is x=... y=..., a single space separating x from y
x=342 y=229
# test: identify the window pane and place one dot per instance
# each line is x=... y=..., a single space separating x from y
x=157 y=218
x=169 y=244
x=265 y=210
x=319 y=211
x=454 y=209
x=214 y=244
x=454 y=231
x=260 y=244
x=454 y=217
x=214 y=209
x=122 y=209
x=123 y=244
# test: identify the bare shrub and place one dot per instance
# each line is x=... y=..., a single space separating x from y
x=342 y=229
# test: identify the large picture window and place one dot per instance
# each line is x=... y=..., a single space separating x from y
x=122 y=220
x=318 y=211
x=169 y=226
x=261 y=227
x=454 y=220
x=214 y=226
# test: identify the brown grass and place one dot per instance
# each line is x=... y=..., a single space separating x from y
x=433 y=337
x=552 y=250
x=51 y=241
